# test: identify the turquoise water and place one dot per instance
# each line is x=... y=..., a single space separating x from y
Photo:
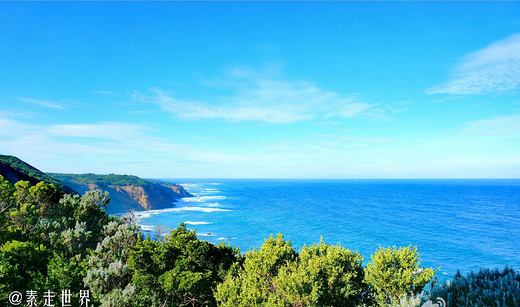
x=456 y=224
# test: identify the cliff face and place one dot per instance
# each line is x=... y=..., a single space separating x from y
x=127 y=192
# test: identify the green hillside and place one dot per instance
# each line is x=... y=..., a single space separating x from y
x=111 y=179
x=14 y=169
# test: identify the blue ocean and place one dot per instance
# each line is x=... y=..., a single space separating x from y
x=456 y=224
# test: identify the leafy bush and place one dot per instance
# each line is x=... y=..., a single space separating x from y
x=394 y=274
x=180 y=270
x=253 y=284
x=323 y=275
x=275 y=275
x=484 y=288
x=20 y=265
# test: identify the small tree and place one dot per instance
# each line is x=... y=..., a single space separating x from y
x=394 y=274
x=322 y=275
x=254 y=284
x=319 y=275
x=180 y=270
x=20 y=265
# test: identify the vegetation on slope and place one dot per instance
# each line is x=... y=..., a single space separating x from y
x=55 y=242
x=111 y=179
x=14 y=169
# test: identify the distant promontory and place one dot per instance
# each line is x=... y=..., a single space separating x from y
x=126 y=192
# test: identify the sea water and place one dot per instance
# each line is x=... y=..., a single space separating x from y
x=455 y=224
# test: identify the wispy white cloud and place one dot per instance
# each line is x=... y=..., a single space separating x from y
x=104 y=92
x=109 y=141
x=43 y=103
x=495 y=68
x=340 y=144
x=120 y=147
x=108 y=130
x=266 y=100
x=9 y=113
x=499 y=125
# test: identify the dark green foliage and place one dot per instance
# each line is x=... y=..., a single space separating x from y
x=484 y=288
x=20 y=265
x=180 y=270
x=111 y=179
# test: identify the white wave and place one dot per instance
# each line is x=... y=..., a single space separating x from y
x=213 y=197
x=214 y=205
x=189 y=185
x=180 y=209
x=201 y=209
x=207 y=234
x=142 y=214
x=148 y=227
x=197 y=223
x=197 y=185
x=222 y=239
x=191 y=199
x=205 y=198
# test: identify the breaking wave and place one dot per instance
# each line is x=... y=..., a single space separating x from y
x=197 y=223
x=202 y=199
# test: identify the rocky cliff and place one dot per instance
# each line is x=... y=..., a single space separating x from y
x=126 y=192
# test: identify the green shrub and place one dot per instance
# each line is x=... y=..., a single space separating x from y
x=275 y=275
x=180 y=270
x=253 y=284
x=394 y=274
x=323 y=275
x=20 y=265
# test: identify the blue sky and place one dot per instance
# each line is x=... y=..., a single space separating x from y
x=263 y=89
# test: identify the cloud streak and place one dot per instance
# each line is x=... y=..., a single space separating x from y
x=263 y=100
x=499 y=125
x=493 y=69
x=119 y=140
x=43 y=103
x=108 y=131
